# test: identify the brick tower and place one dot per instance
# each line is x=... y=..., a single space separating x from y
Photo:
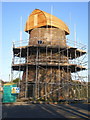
x=46 y=70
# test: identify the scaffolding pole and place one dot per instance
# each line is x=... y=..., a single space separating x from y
x=53 y=84
x=26 y=88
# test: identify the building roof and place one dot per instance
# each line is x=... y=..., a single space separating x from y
x=39 y=18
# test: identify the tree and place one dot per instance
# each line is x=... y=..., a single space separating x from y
x=16 y=80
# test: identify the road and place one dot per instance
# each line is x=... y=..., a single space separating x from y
x=46 y=111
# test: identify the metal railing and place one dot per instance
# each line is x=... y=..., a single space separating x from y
x=68 y=42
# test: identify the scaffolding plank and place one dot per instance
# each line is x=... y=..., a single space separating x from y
x=66 y=66
x=71 y=50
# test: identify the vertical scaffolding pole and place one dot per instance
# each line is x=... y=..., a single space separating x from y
x=46 y=76
x=36 y=82
x=12 y=62
x=20 y=52
x=70 y=83
x=81 y=83
x=59 y=72
x=51 y=50
x=38 y=56
x=75 y=75
x=46 y=83
x=67 y=78
x=20 y=67
x=26 y=88
x=75 y=34
x=38 y=73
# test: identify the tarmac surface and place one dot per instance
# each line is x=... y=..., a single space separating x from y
x=47 y=111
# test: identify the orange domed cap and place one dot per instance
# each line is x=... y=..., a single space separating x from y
x=39 y=18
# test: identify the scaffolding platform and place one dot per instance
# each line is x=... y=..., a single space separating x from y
x=66 y=66
x=72 y=52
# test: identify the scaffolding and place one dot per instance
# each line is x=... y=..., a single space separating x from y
x=59 y=66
